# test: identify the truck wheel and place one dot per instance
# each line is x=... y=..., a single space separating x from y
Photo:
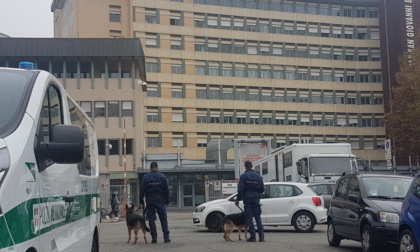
x=333 y=238
x=304 y=222
x=214 y=222
x=407 y=241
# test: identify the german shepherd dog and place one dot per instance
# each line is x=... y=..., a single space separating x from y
x=235 y=221
x=135 y=222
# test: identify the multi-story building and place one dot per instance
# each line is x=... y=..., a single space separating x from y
x=290 y=70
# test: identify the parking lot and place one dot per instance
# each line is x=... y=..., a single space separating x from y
x=187 y=237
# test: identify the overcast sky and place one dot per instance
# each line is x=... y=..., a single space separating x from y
x=26 y=18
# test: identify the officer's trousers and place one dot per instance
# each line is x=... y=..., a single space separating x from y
x=253 y=210
x=153 y=206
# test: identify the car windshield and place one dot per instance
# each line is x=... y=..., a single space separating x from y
x=13 y=87
x=330 y=165
x=387 y=187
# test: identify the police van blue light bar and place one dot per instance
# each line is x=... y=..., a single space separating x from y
x=26 y=65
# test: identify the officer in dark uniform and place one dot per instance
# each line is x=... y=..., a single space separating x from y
x=155 y=187
x=249 y=190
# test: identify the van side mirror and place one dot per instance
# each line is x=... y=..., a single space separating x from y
x=66 y=145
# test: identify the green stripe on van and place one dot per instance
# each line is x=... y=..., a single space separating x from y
x=21 y=221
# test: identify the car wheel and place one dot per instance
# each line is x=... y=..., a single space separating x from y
x=304 y=222
x=333 y=238
x=407 y=242
x=214 y=222
x=368 y=244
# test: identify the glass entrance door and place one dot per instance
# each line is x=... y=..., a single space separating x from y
x=187 y=195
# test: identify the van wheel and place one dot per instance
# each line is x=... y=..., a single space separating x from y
x=214 y=222
x=407 y=241
x=95 y=242
x=368 y=244
x=333 y=238
x=304 y=222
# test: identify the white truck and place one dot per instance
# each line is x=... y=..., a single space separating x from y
x=307 y=163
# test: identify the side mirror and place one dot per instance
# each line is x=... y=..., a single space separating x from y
x=66 y=145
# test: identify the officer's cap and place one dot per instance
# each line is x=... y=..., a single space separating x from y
x=153 y=164
x=248 y=164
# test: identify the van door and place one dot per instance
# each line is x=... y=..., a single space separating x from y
x=55 y=180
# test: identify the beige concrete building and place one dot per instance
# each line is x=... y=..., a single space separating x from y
x=293 y=71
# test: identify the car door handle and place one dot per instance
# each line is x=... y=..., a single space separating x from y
x=292 y=202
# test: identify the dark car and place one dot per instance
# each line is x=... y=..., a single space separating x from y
x=366 y=208
x=325 y=190
x=409 y=230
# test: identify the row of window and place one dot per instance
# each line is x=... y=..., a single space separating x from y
x=108 y=108
x=274 y=118
x=276 y=26
x=263 y=25
x=154 y=140
x=249 y=70
x=272 y=94
x=266 y=48
x=97 y=68
x=297 y=7
x=115 y=146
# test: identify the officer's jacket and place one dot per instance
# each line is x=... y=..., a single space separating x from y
x=251 y=185
x=154 y=185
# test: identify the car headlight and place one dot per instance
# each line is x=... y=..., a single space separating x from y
x=200 y=209
x=389 y=217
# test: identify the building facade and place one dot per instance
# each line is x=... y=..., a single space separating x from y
x=292 y=71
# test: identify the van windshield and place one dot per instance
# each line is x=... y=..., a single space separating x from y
x=329 y=165
x=14 y=85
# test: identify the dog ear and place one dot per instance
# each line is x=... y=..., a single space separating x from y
x=126 y=206
x=132 y=206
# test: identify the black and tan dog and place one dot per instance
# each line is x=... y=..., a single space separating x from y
x=232 y=222
x=135 y=222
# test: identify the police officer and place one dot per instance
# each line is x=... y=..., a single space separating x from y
x=155 y=187
x=249 y=190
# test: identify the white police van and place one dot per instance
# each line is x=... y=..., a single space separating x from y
x=49 y=171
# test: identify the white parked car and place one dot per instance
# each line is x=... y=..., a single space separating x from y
x=282 y=204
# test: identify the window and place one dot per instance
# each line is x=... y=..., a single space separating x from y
x=153 y=142
x=151 y=16
x=176 y=42
x=239 y=70
x=342 y=188
x=127 y=109
x=347 y=13
x=177 y=91
x=151 y=40
x=113 y=109
x=201 y=118
x=177 y=115
x=152 y=90
x=214 y=69
x=114 y=146
x=177 y=66
x=201 y=143
x=227 y=69
x=212 y=21
x=200 y=68
x=115 y=16
x=101 y=147
x=175 y=18
x=152 y=117
x=87 y=107
x=99 y=109
x=360 y=13
x=152 y=65
x=198 y=20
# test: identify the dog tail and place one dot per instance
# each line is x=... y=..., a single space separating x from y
x=143 y=225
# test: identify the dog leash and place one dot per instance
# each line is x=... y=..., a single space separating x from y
x=241 y=209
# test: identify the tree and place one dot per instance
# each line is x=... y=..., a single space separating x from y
x=403 y=122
